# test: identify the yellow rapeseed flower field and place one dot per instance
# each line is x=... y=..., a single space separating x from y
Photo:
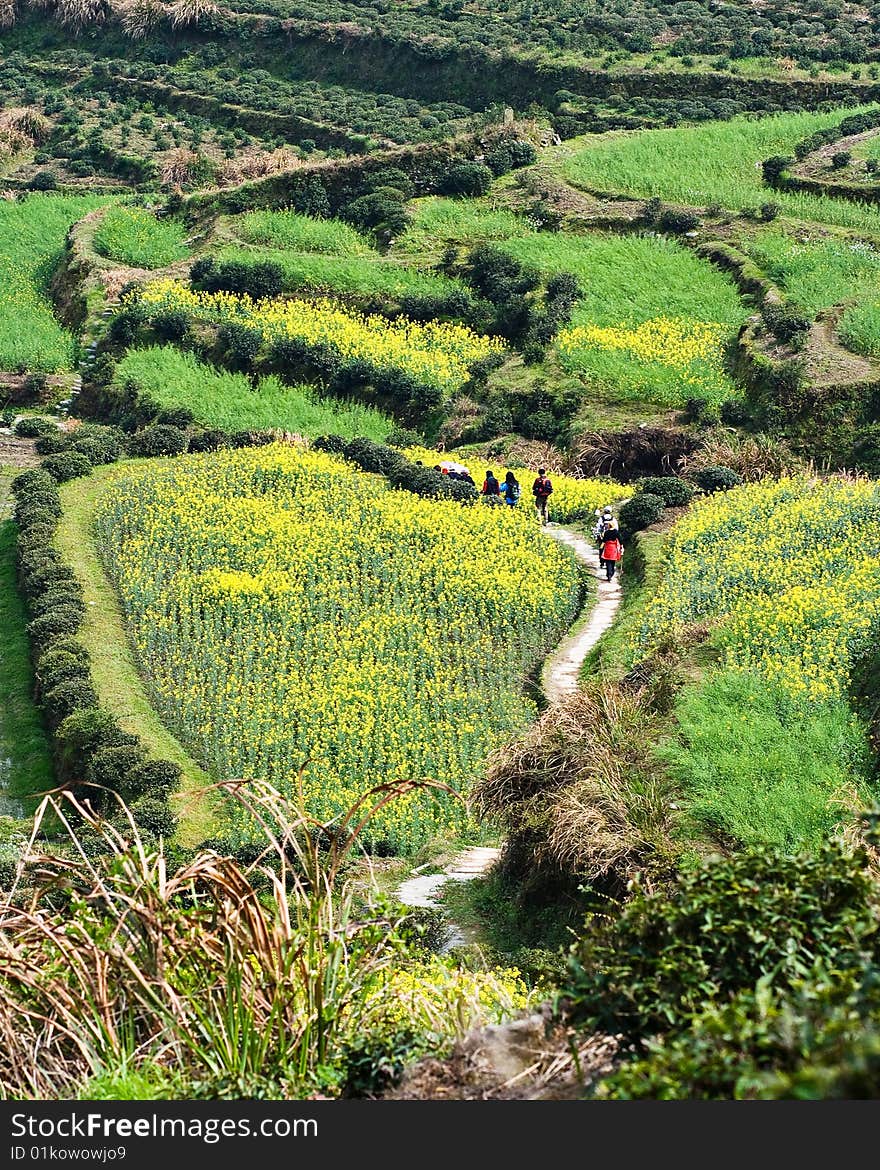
x=286 y=608
x=438 y=353
x=790 y=571
x=694 y=350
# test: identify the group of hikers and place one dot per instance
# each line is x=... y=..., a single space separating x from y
x=507 y=491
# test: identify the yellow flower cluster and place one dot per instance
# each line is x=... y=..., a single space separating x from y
x=692 y=348
x=443 y=1001
x=789 y=569
x=285 y=608
x=435 y=352
x=572 y=499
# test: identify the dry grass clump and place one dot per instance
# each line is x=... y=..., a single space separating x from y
x=627 y=455
x=577 y=787
x=255 y=165
x=180 y=167
x=217 y=971
x=189 y=12
x=7 y=13
x=751 y=456
x=78 y=15
x=139 y=17
x=27 y=121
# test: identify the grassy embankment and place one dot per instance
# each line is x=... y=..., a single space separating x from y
x=115 y=675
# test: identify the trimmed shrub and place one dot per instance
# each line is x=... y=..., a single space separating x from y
x=677 y=222
x=61 y=620
x=157 y=440
x=716 y=478
x=33 y=427
x=466 y=178
x=65 y=594
x=97 y=451
x=34 y=479
x=74 y=694
x=643 y=509
x=70 y=646
x=674 y=492
x=68 y=465
x=51 y=444
x=37 y=502
x=112 y=766
x=170 y=324
x=57 y=666
x=154 y=778
x=155 y=816
x=211 y=439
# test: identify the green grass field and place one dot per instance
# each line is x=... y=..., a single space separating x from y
x=133 y=236
x=32 y=232
x=219 y=398
x=289 y=231
x=716 y=162
x=860 y=328
x=818 y=272
x=347 y=275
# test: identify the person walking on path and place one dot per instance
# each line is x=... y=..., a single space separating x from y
x=605 y=520
x=541 y=490
x=610 y=551
x=491 y=492
x=510 y=489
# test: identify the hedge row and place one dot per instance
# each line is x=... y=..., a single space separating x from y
x=397 y=469
x=89 y=745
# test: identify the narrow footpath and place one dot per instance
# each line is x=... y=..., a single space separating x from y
x=558 y=678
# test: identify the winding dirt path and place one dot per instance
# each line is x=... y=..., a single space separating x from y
x=559 y=678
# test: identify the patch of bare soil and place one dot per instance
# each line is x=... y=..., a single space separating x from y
x=15 y=452
x=818 y=164
x=532 y=1059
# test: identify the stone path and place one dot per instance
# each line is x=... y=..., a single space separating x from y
x=559 y=678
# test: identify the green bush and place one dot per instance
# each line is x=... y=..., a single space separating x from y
x=67 y=593
x=34 y=479
x=51 y=444
x=157 y=440
x=68 y=465
x=467 y=178
x=744 y=973
x=155 y=816
x=37 y=502
x=33 y=427
x=61 y=620
x=57 y=666
x=74 y=694
x=112 y=766
x=642 y=510
x=716 y=478
x=154 y=778
x=674 y=492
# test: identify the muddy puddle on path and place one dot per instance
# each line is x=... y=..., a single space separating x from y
x=559 y=678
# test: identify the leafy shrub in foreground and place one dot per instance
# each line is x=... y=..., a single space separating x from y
x=157 y=440
x=716 y=479
x=67 y=465
x=642 y=510
x=674 y=492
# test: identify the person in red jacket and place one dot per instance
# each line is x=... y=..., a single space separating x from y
x=541 y=490
x=610 y=551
